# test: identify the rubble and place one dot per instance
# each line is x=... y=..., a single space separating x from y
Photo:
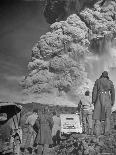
x=81 y=144
x=87 y=145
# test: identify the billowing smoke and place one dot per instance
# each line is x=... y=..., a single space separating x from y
x=56 y=10
x=102 y=58
x=85 y=37
x=112 y=64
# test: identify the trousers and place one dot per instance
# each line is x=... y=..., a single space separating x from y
x=99 y=129
x=87 y=121
x=30 y=137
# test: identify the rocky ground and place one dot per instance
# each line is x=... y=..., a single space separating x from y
x=88 y=145
x=81 y=144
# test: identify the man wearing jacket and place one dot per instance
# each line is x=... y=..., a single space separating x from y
x=86 y=109
x=103 y=97
x=31 y=133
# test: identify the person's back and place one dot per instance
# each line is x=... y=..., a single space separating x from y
x=103 y=97
x=87 y=104
x=31 y=133
x=87 y=111
x=44 y=136
x=103 y=84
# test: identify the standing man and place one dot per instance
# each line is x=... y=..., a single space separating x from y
x=43 y=139
x=103 y=97
x=86 y=109
x=31 y=133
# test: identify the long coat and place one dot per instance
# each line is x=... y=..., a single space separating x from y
x=103 y=97
x=44 y=126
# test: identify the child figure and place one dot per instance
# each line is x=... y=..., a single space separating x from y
x=86 y=110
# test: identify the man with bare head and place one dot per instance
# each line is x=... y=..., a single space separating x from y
x=86 y=108
x=31 y=133
x=103 y=97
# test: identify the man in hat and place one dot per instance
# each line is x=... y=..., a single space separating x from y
x=103 y=97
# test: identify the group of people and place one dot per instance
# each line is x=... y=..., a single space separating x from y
x=95 y=109
x=44 y=130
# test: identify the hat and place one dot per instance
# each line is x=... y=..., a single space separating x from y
x=105 y=74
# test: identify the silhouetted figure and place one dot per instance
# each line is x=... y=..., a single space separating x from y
x=87 y=111
x=44 y=125
x=31 y=133
x=103 y=97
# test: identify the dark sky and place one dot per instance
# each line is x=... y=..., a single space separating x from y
x=21 y=25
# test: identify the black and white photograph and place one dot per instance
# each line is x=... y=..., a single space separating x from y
x=57 y=77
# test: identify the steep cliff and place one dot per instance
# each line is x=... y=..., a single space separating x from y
x=60 y=57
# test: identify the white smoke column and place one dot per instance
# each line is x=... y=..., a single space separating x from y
x=112 y=69
x=101 y=61
x=96 y=64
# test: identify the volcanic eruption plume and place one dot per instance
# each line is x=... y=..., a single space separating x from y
x=74 y=53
